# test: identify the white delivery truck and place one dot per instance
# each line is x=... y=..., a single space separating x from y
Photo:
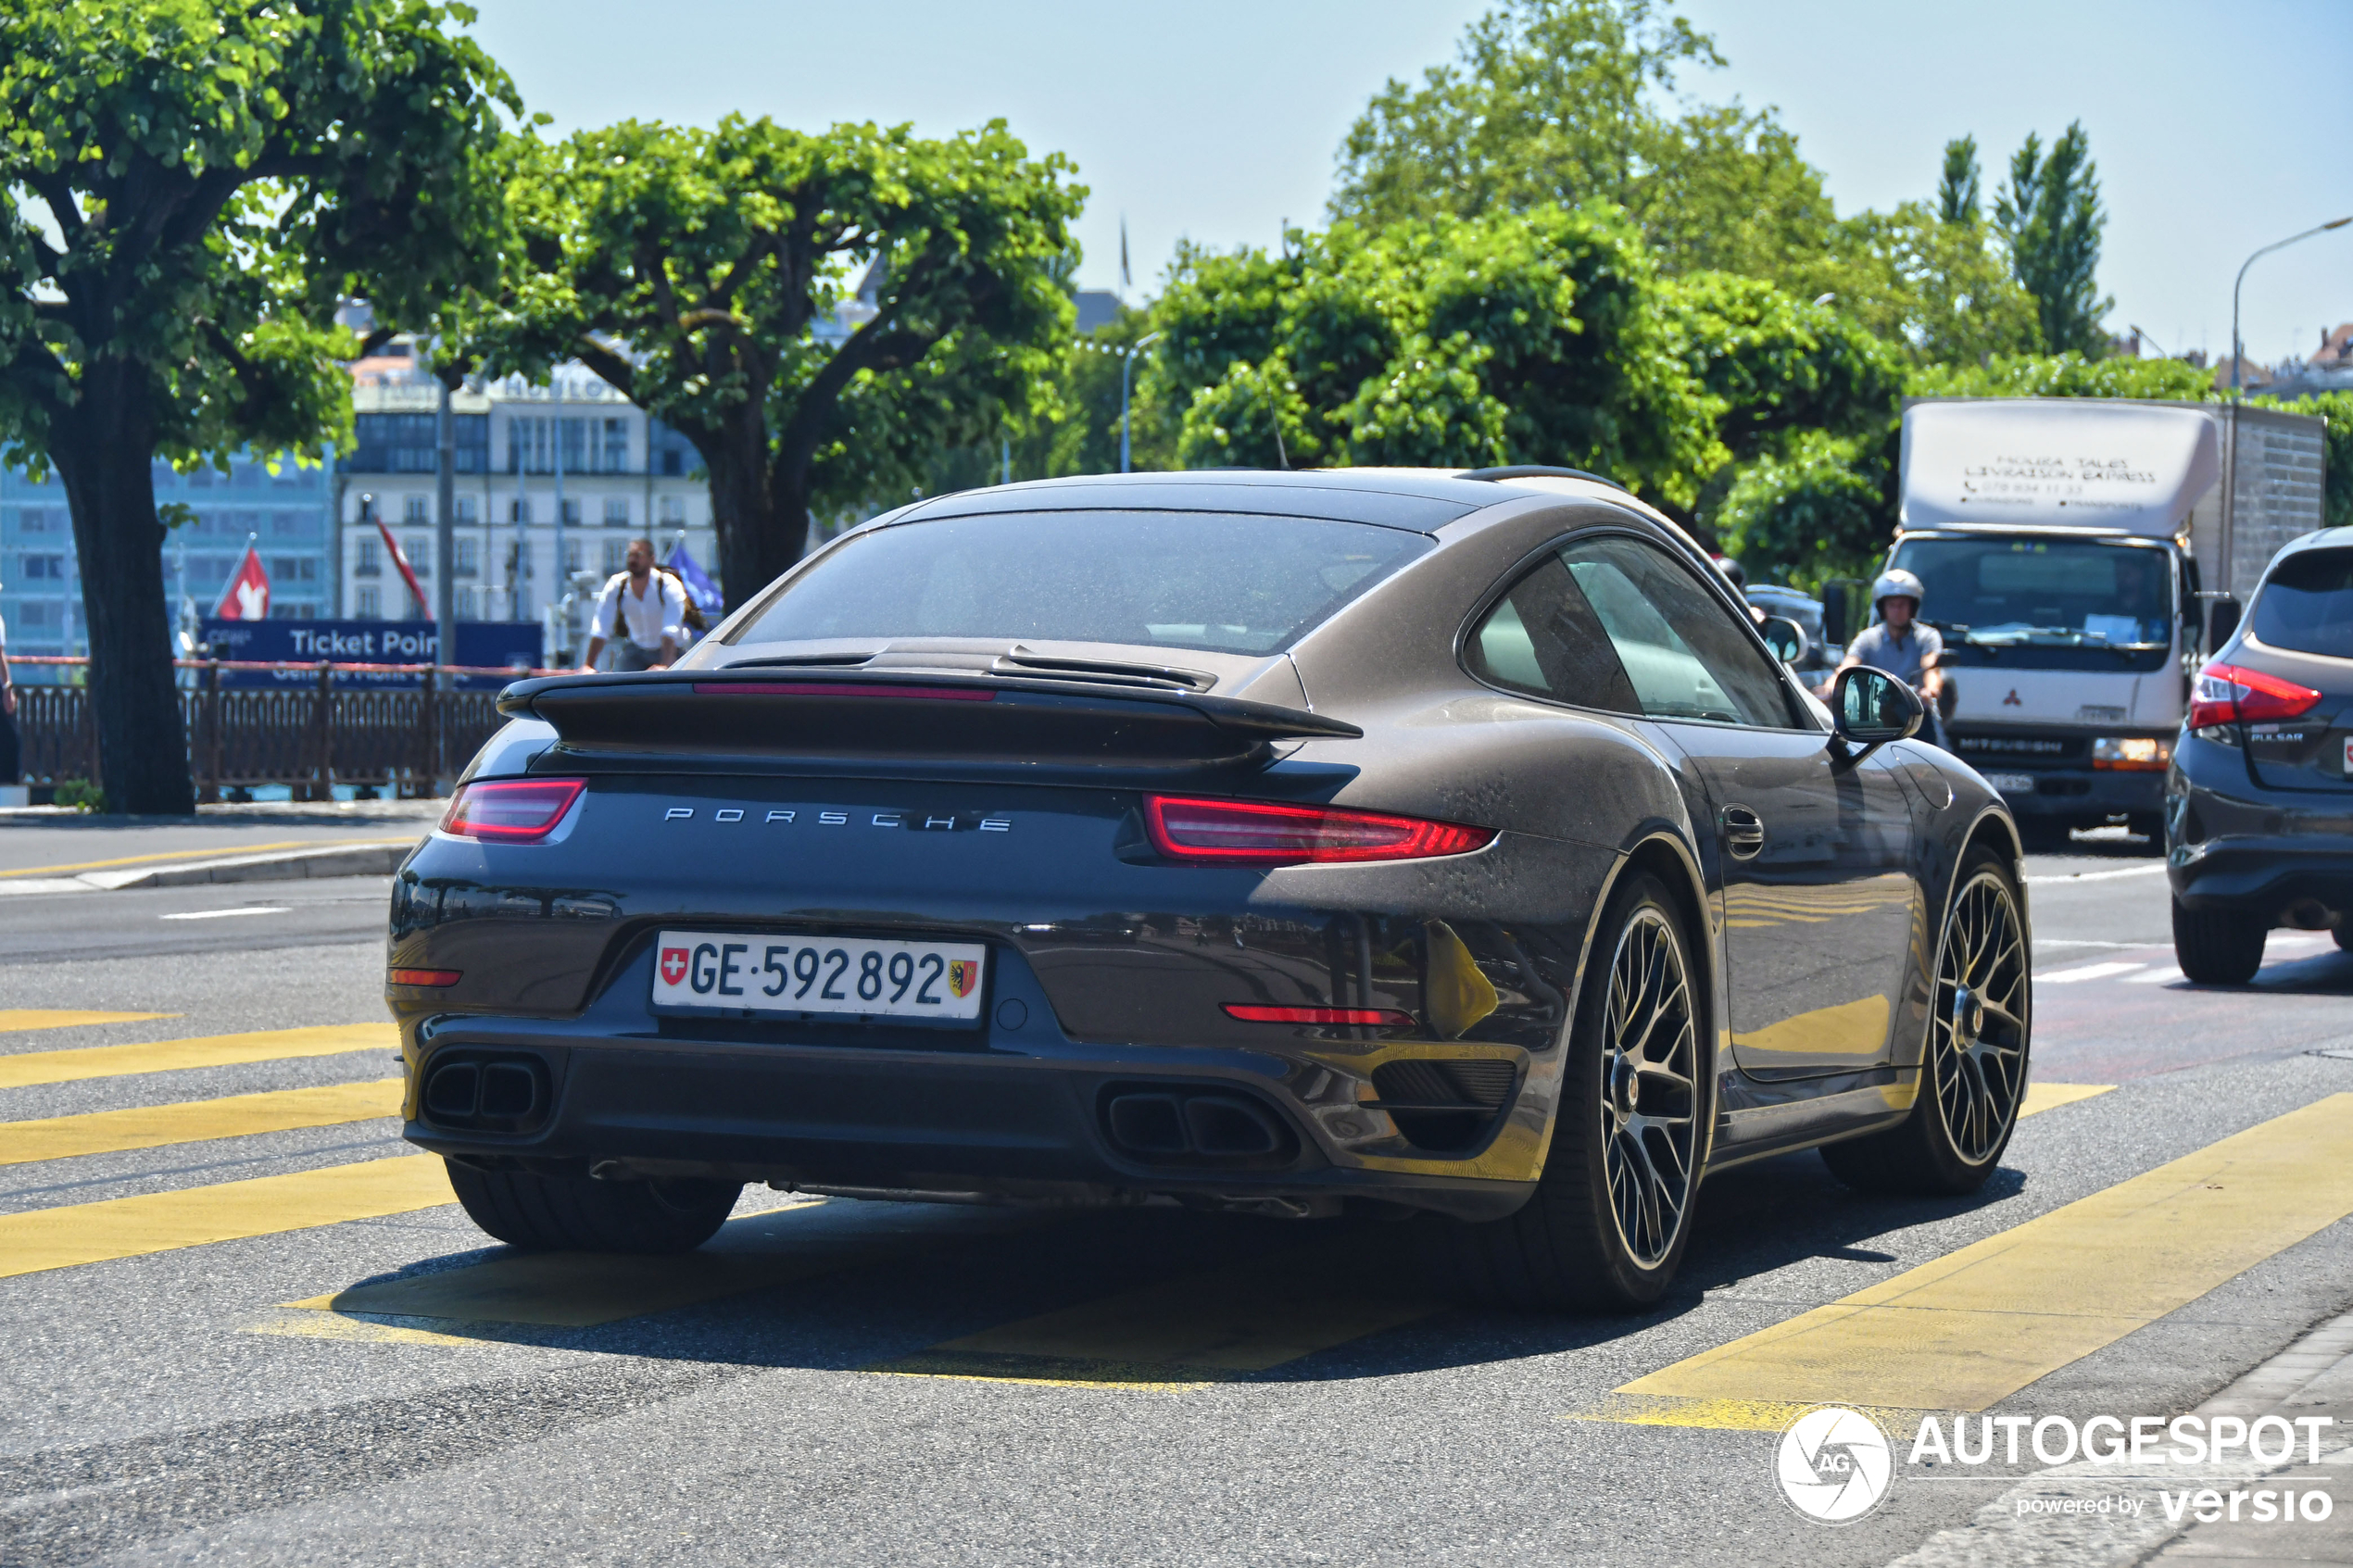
x=2080 y=556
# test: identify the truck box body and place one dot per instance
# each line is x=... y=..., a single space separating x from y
x=2065 y=544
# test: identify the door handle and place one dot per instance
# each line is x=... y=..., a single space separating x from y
x=1743 y=833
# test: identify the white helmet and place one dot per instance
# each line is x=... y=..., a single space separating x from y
x=1897 y=584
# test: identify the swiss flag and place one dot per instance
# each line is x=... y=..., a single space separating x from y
x=247 y=598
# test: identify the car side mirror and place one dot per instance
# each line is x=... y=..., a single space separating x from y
x=2221 y=623
x=1871 y=708
x=1787 y=639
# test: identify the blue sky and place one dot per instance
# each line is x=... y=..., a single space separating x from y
x=2217 y=128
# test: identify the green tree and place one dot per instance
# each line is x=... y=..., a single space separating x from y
x=1956 y=191
x=689 y=268
x=2050 y=214
x=1557 y=102
x=1775 y=365
x=1816 y=511
x=1536 y=338
x=212 y=177
x=1939 y=292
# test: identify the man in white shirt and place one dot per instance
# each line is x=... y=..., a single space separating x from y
x=641 y=612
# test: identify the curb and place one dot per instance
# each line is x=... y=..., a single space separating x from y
x=340 y=859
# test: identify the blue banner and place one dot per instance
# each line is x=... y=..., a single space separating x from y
x=506 y=645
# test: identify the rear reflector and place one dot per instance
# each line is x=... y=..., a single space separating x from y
x=1257 y=832
x=1371 y=1018
x=511 y=811
x=2231 y=692
x=837 y=688
x=427 y=976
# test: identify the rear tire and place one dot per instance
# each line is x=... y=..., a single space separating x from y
x=1973 y=1068
x=581 y=1214
x=2217 y=946
x=1611 y=1214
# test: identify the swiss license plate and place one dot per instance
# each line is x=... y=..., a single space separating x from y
x=2012 y=783
x=817 y=976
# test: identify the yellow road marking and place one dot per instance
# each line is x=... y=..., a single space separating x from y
x=1199 y=1329
x=756 y=1252
x=1975 y=1326
x=165 y=1221
x=212 y=1050
x=152 y=1126
x=16 y=1020
x=2050 y=1097
x=220 y=852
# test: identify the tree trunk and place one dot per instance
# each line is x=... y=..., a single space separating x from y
x=761 y=518
x=103 y=449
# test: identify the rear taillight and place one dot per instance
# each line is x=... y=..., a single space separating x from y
x=1369 y=1018
x=1260 y=833
x=511 y=811
x=2231 y=692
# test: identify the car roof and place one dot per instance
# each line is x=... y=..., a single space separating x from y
x=1423 y=501
x=2319 y=539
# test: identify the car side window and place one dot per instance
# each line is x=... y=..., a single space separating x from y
x=1542 y=638
x=1685 y=655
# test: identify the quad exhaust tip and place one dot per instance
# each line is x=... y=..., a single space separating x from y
x=1174 y=1123
x=500 y=1093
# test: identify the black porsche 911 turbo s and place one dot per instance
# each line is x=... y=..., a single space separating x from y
x=1284 y=843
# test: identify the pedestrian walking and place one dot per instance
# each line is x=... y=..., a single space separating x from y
x=642 y=612
x=11 y=753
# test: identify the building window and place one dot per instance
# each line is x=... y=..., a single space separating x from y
x=614 y=456
x=673 y=511
x=465 y=510
x=468 y=605
x=371 y=562
x=370 y=604
x=45 y=568
x=285 y=572
x=572 y=557
x=616 y=555
x=33 y=519
x=519 y=511
x=468 y=560
x=572 y=512
x=616 y=511
x=418 y=547
x=413 y=512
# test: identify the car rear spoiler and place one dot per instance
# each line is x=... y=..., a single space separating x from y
x=722 y=718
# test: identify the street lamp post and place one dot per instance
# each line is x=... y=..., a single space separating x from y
x=2229 y=543
x=1127 y=363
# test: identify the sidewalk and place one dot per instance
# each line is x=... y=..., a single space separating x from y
x=41 y=846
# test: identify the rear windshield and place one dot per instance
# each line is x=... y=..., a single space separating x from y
x=1180 y=580
x=2307 y=604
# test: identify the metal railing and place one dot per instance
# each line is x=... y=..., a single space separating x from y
x=409 y=741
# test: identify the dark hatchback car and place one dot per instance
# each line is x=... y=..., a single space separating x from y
x=1401 y=842
x=2258 y=802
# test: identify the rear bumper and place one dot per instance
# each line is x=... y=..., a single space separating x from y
x=2280 y=856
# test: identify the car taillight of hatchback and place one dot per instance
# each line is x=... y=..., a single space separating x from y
x=2232 y=693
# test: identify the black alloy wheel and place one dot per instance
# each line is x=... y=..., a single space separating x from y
x=1973 y=1074
x=1611 y=1214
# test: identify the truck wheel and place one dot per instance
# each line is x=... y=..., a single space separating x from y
x=2044 y=835
x=1611 y=1215
x=581 y=1214
x=1974 y=1070
x=2217 y=946
x=2150 y=825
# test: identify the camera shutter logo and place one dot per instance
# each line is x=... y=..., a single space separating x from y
x=1833 y=1465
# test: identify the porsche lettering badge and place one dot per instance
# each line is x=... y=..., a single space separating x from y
x=833 y=816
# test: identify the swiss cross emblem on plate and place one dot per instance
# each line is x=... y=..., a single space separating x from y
x=674 y=965
x=961 y=972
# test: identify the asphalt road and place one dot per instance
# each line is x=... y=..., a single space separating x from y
x=846 y=1383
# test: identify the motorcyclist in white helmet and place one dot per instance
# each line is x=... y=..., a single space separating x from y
x=1900 y=642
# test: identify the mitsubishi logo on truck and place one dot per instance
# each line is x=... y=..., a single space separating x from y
x=2011 y=700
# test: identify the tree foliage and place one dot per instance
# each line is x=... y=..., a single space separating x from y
x=1774 y=365
x=1534 y=338
x=714 y=255
x=1556 y=102
x=1957 y=190
x=2050 y=214
x=1815 y=511
x=185 y=189
x=1937 y=292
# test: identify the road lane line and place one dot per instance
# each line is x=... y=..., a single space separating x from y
x=1973 y=1327
x=211 y=1050
x=165 y=1221
x=153 y=1126
x=2164 y=974
x=2095 y=876
x=211 y=852
x=2088 y=972
x=1207 y=1328
x=16 y=1020
x=2050 y=1097
x=225 y=914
